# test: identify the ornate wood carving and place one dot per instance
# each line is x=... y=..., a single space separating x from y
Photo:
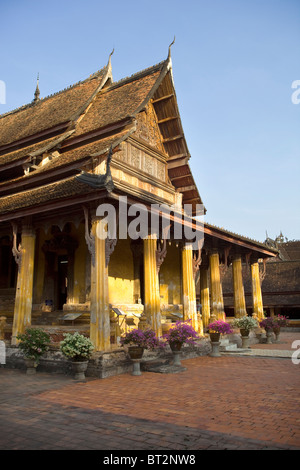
x=160 y=255
x=110 y=244
x=224 y=266
x=89 y=237
x=263 y=272
x=161 y=251
x=246 y=266
x=16 y=251
x=197 y=260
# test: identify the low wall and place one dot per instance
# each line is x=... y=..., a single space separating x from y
x=104 y=364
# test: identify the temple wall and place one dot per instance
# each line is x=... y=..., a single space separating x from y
x=121 y=275
x=170 y=277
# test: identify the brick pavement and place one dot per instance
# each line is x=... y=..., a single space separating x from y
x=217 y=403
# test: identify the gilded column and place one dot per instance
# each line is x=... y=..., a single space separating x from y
x=256 y=292
x=100 y=315
x=217 y=302
x=188 y=286
x=204 y=296
x=151 y=285
x=23 y=302
x=238 y=288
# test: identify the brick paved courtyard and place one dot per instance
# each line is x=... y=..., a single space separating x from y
x=230 y=402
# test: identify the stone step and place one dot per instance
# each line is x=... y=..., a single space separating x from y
x=167 y=369
x=228 y=347
x=224 y=342
x=238 y=350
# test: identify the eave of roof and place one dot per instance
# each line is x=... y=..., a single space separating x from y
x=227 y=236
x=37 y=200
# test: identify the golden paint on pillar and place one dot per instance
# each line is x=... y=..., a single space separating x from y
x=151 y=285
x=188 y=287
x=204 y=296
x=238 y=288
x=100 y=314
x=24 y=290
x=257 y=301
x=217 y=302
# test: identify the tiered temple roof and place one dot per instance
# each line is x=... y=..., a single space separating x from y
x=78 y=123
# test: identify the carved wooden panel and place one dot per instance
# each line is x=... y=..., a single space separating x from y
x=139 y=159
x=147 y=128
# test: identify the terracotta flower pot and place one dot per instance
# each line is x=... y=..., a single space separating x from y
x=215 y=337
x=244 y=331
x=176 y=346
x=135 y=352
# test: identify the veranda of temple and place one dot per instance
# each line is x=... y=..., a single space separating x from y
x=93 y=143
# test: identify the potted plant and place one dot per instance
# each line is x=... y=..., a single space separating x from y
x=278 y=322
x=245 y=324
x=216 y=329
x=268 y=324
x=34 y=343
x=137 y=340
x=179 y=334
x=78 y=348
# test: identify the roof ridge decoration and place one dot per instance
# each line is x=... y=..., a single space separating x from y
x=37 y=90
x=169 y=54
x=166 y=62
x=166 y=67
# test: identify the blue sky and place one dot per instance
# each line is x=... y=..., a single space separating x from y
x=234 y=62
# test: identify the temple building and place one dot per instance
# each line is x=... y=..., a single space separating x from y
x=102 y=144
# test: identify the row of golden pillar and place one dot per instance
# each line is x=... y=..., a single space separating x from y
x=211 y=296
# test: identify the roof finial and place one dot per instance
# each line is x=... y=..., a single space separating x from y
x=169 y=55
x=37 y=90
x=109 y=59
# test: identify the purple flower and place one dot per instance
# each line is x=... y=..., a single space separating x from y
x=181 y=332
x=220 y=326
x=280 y=320
x=143 y=338
x=267 y=323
